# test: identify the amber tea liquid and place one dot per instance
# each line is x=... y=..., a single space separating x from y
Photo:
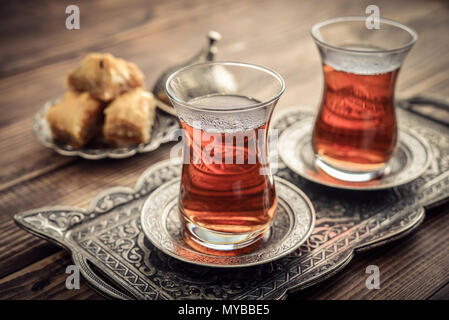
x=234 y=198
x=356 y=127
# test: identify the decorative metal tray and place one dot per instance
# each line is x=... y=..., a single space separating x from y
x=164 y=127
x=107 y=243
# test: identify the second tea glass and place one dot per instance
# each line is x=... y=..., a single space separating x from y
x=355 y=132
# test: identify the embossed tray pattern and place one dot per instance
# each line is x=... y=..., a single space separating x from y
x=107 y=243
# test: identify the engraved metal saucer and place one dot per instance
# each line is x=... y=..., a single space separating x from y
x=410 y=160
x=293 y=223
x=163 y=129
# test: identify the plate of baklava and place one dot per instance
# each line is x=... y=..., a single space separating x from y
x=105 y=113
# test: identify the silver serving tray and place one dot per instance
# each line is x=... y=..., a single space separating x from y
x=107 y=243
x=163 y=129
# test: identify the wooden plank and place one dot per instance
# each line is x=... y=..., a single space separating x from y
x=46 y=20
x=19 y=248
x=44 y=280
x=23 y=158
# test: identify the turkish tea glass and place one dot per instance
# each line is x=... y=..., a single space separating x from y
x=227 y=197
x=356 y=132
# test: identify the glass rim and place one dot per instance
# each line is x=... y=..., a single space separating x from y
x=396 y=24
x=245 y=107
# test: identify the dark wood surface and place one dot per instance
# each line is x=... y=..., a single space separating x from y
x=37 y=51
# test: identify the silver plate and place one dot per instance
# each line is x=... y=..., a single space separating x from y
x=410 y=160
x=163 y=129
x=294 y=222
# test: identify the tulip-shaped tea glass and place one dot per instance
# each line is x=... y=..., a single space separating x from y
x=355 y=132
x=227 y=196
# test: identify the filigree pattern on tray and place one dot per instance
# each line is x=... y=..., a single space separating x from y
x=108 y=237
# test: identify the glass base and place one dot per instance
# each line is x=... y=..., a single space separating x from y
x=349 y=176
x=222 y=241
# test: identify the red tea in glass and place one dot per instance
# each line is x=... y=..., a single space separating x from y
x=232 y=198
x=356 y=132
x=356 y=126
x=227 y=195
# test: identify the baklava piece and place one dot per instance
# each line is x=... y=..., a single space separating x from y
x=76 y=119
x=129 y=118
x=105 y=76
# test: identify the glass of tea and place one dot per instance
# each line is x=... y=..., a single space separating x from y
x=355 y=132
x=227 y=195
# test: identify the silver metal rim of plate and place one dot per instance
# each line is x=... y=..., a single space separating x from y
x=293 y=224
x=162 y=132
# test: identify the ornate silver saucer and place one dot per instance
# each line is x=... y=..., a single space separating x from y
x=293 y=224
x=163 y=129
x=410 y=160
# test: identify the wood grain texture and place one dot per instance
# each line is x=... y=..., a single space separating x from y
x=44 y=279
x=441 y=294
x=37 y=51
x=414 y=276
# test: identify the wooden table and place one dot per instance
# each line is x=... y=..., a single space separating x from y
x=37 y=51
